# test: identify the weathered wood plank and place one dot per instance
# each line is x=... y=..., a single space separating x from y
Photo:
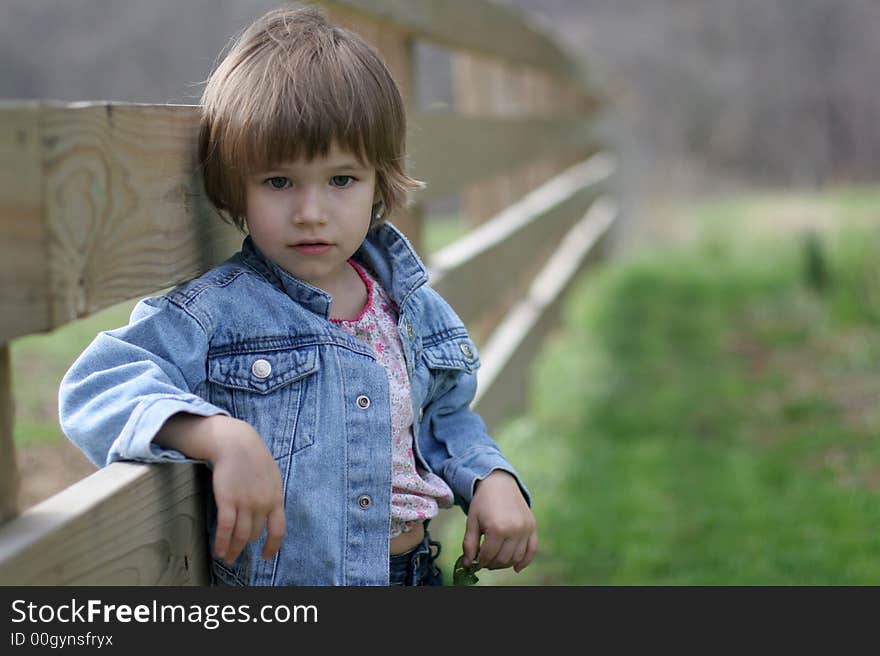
x=449 y=150
x=510 y=352
x=8 y=470
x=484 y=27
x=123 y=203
x=126 y=524
x=118 y=211
x=511 y=247
x=24 y=277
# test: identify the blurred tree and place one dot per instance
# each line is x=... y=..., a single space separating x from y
x=764 y=91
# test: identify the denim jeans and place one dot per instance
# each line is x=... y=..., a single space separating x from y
x=417 y=566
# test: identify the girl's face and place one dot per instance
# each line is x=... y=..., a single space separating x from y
x=310 y=217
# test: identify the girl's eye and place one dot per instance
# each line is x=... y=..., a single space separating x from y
x=341 y=181
x=278 y=182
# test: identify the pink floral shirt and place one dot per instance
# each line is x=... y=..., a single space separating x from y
x=416 y=494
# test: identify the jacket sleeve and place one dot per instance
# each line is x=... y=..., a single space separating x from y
x=458 y=446
x=128 y=382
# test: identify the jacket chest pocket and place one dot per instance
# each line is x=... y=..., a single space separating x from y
x=447 y=359
x=274 y=391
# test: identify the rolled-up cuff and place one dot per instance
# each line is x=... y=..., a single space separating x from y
x=473 y=467
x=136 y=440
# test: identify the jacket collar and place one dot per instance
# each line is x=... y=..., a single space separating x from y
x=385 y=252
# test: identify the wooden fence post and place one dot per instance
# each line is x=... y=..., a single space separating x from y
x=20 y=284
x=8 y=470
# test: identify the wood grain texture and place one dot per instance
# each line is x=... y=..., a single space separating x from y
x=118 y=213
x=124 y=204
x=126 y=524
x=8 y=470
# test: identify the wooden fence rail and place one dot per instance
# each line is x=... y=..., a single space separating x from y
x=102 y=202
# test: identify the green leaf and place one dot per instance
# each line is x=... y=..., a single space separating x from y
x=464 y=575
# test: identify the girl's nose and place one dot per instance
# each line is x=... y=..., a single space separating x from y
x=310 y=209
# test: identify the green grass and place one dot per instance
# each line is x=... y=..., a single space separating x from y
x=706 y=416
x=38 y=364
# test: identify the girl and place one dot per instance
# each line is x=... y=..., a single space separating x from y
x=316 y=373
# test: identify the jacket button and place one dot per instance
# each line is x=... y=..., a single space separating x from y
x=364 y=501
x=261 y=368
x=467 y=351
x=421 y=413
x=409 y=330
x=363 y=402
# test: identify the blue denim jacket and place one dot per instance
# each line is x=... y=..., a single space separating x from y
x=249 y=340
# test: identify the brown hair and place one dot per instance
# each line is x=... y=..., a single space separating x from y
x=290 y=86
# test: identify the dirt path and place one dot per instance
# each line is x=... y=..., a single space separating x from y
x=46 y=469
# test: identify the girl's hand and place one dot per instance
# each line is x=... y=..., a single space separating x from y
x=500 y=512
x=246 y=479
x=247 y=491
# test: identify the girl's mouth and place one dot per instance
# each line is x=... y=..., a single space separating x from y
x=311 y=249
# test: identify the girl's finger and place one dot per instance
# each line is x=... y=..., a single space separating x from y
x=226 y=516
x=519 y=553
x=277 y=526
x=470 y=546
x=489 y=551
x=240 y=536
x=531 y=550
x=258 y=521
x=504 y=555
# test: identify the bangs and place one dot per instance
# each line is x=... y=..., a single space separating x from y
x=302 y=105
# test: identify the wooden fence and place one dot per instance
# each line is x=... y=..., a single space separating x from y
x=101 y=203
